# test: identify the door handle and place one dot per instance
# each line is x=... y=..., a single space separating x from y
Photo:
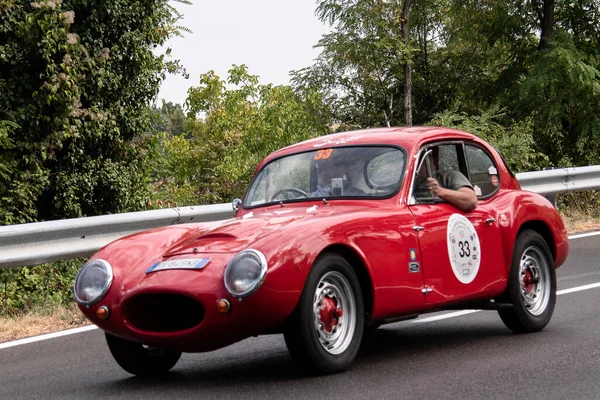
x=418 y=228
x=490 y=221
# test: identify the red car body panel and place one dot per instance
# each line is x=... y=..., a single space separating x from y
x=378 y=235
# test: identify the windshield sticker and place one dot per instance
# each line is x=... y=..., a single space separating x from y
x=337 y=141
x=323 y=154
x=493 y=170
x=494 y=180
x=312 y=209
x=477 y=190
x=463 y=248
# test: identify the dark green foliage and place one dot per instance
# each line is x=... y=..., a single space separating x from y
x=18 y=189
x=580 y=205
x=169 y=118
x=562 y=93
x=361 y=67
x=75 y=80
x=23 y=289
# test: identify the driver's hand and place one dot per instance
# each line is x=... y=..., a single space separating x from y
x=434 y=187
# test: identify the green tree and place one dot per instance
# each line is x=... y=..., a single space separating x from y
x=364 y=62
x=230 y=131
x=169 y=117
x=75 y=80
x=535 y=60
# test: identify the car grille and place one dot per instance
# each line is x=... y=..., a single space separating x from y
x=163 y=312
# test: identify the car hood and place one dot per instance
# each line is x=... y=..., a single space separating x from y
x=234 y=235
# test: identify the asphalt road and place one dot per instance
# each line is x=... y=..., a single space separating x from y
x=465 y=357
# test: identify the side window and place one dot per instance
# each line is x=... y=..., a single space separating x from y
x=482 y=170
x=440 y=162
x=448 y=158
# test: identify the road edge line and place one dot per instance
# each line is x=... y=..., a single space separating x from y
x=47 y=336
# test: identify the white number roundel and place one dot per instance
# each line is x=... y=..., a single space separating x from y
x=463 y=248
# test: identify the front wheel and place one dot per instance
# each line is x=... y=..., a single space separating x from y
x=531 y=285
x=141 y=360
x=325 y=330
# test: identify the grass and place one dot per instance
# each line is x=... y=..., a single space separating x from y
x=577 y=222
x=41 y=320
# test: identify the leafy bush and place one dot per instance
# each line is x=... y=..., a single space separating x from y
x=26 y=288
x=580 y=203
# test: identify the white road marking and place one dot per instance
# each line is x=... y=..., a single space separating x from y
x=445 y=316
x=47 y=336
x=579 y=288
x=68 y=332
x=584 y=235
x=466 y=312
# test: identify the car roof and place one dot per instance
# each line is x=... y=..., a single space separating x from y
x=406 y=137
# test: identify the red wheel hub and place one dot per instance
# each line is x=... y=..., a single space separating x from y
x=329 y=313
x=528 y=281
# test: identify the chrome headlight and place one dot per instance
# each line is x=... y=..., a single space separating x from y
x=245 y=273
x=93 y=281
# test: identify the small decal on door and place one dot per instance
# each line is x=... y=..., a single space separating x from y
x=414 y=267
x=413 y=255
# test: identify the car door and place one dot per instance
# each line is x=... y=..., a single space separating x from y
x=460 y=251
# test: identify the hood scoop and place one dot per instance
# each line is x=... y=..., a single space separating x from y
x=233 y=235
x=217 y=236
x=218 y=242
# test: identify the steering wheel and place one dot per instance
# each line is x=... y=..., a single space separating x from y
x=292 y=190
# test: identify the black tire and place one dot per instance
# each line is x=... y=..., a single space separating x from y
x=531 y=285
x=372 y=327
x=141 y=360
x=320 y=348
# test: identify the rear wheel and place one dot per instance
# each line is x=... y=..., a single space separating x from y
x=141 y=360
x=531 y=286
x=325 y=330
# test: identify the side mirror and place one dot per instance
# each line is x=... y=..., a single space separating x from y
x=235 y=204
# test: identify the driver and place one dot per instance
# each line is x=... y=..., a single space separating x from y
x=334 y=180
x=450 y=186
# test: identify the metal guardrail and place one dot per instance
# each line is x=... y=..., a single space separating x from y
x=562 y=180
x=42 y=242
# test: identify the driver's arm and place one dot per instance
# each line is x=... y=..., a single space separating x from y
x=463 y=198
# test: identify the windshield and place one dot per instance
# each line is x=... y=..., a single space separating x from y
x=341 y=172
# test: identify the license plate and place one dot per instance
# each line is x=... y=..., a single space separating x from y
x=195 y=263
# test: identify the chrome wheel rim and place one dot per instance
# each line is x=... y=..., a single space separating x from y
x=334 y=313
x=535 y=280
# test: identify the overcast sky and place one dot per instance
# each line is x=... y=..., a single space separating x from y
x=272 y=37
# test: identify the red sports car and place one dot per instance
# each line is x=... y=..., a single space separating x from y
x=335 y=235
